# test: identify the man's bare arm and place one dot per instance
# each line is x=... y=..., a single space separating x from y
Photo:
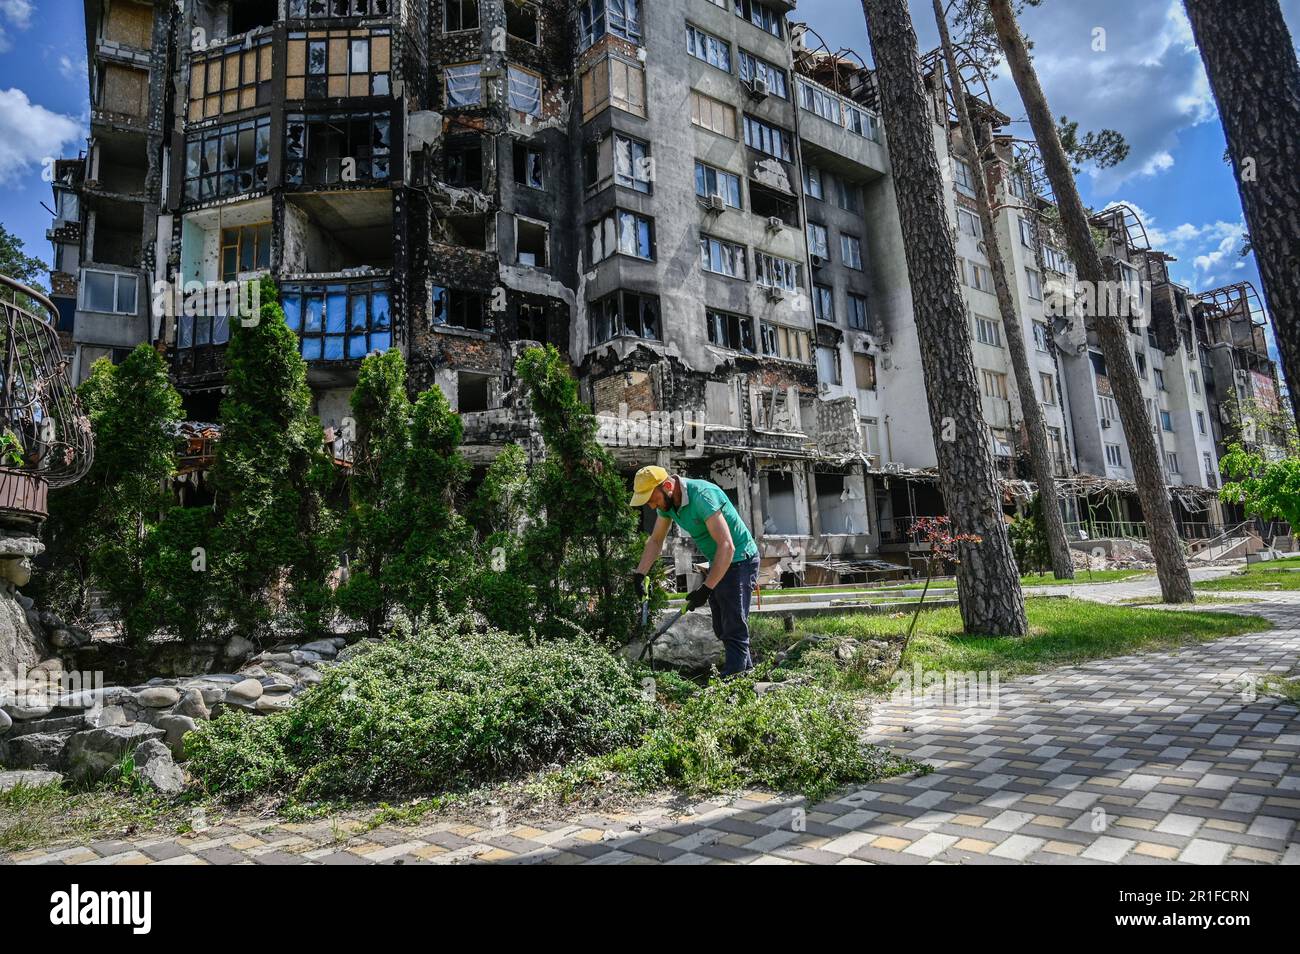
x=654 y=545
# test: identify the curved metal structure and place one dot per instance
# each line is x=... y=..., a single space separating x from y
x=44 y=433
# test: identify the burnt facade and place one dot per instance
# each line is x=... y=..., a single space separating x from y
x=690 y=199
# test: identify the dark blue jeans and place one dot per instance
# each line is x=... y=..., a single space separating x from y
x=729 y=606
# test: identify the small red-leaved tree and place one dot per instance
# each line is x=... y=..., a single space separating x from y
x=944 y=548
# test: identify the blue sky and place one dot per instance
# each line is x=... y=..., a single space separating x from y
x=1148 y=83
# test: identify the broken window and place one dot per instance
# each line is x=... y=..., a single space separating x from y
x=530 y=243
x=771 y=204
x=779 y=514
x=338 y=63
x=761 y=15
x=248 y=15
x=823 y=303
x=769 y=139
x=337 y=9
x=762 y=75
x=624 y=313
x=857 y=311
x=730 y=331
x=460 y=15
x=245 y=249
x=711 y=181
x=619 y=17
x=622 y=233
x=336 y=148
x=233 y=79
x=633 y=168
x=818 y=241
x=531 y=322
x=227 y=160
x=771 y=271
x=338 y=321
x=457 y=308
x=472 y=391
x=463 y=163
x=840 y=505
x=789 y=344
x=525 y=91
x=521 y=21
x=828 y=365
x=528 y=165
x=464 y=85
x=627 y=161
x=466 y=231
x=721 y=257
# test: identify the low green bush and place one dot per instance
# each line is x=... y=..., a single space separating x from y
x=803 y=738
x=449 y=706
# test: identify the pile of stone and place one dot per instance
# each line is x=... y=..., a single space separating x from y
x=48 y=724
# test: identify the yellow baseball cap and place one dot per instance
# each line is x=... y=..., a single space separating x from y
x=645 y=482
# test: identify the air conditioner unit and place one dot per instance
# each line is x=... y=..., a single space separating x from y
x=817 y=261
x=716 y=204
x=775 y=294
x=1105 y=423
x=862 y=343
x=758 y=87
x=774 y=223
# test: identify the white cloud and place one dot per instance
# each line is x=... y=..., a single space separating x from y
x=30 y=134
x=1148 y=83
x=17 y=12
x=72 y=69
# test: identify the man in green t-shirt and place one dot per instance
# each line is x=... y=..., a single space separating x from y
x=705 y=512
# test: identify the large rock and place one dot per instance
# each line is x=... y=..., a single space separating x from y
x=155 y=767
x=91 y=754
x=37 y=750
x=322 y=647
x=21 y=648
x=238 y=648
x=191 y=704
x=243 y=693
x=690 y=645
x=176 y=726
x=28 y=778
x=158 y=697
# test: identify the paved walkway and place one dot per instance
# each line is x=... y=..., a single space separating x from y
x=1151 y=758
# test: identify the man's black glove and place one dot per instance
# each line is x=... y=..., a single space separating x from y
x=638 y=584
x=699 y=596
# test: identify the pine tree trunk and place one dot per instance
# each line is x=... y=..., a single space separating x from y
x=1111 y=330
x=1251 y=63
x=1013 y=331
x=988 y=584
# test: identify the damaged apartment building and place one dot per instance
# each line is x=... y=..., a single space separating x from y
x=690 y=199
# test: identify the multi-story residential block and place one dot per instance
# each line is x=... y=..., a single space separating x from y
x=691 y=200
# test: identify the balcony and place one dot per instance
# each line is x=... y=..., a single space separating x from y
x=108 y=309
x=845 y=133
x=996 y=411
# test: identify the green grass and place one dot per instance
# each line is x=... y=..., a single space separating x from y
x=1272 y=575
x=1288 y=689
x=1062 y=632
x=36 y=816
x=885 y=590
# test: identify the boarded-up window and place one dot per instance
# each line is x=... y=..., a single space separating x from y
x=713 y=115
x=337 y=63
x=230 y=80
x=613 y=82
x=125 y=91
x=864 y=369
x=130 y=24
